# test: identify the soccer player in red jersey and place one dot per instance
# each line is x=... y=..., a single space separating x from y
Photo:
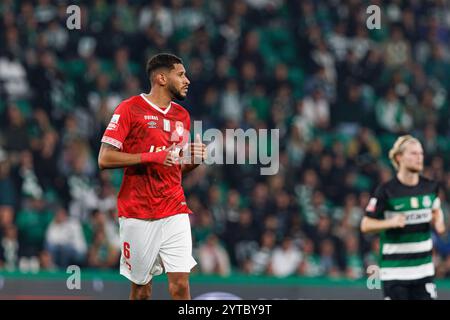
x=148 y=136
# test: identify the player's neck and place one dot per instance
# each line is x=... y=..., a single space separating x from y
x=408 y=178
x=159 y=99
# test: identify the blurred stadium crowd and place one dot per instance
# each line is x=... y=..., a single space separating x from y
x=339 y=94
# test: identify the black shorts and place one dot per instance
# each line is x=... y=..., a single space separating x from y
x=423 y=289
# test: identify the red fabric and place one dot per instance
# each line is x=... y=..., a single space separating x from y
x=149 y=191
x=154 y=157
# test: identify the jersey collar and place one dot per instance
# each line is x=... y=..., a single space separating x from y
x=154 y=106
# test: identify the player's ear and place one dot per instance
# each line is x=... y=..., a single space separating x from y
x=398 y=157
x=160 y=78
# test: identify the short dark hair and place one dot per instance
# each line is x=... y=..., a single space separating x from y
x=162 y=60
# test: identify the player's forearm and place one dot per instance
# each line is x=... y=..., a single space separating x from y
x=369 y=225
x=112 y=158
x=439 y=227
x=438 y=221
x=116 y=159
x=185 y=168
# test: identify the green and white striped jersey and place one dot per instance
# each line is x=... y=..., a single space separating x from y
x=405 y=253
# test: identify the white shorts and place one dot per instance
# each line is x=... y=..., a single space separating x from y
x=149 y=246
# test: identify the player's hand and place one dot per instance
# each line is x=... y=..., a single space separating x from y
x=398 y=221
x=197 y=150
x=171 y=157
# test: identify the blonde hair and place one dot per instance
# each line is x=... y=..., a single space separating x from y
x=399 y=147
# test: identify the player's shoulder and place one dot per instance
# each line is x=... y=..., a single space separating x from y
x=391 y=183
x=387 y=187
x=427 y=182
x=382 y=187
x=132 y=101
x=178 y=108
x=129 y=103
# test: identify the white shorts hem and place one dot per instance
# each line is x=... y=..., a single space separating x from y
x=139 y=283
x=186 y=270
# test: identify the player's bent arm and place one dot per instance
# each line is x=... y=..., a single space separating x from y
x=111 y=157
x=185 y=168
x=438 y=220
x=369 y=225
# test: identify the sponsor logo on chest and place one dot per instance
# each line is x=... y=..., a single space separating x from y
x=166 y=124
x=413 y=216
x=152 y=125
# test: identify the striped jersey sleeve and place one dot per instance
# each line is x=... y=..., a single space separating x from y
x=377 y=202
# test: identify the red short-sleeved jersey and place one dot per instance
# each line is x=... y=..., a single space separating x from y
x=149 y=191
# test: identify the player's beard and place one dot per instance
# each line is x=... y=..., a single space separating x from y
x=415 y=169
x=176 y=94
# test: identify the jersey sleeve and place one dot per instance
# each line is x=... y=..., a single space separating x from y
x=119 y=127
x=187 y=124
x=437 y=201
x=187 y=130
x=377 y=203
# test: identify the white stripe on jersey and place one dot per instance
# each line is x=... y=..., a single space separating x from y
x=412 y=216
x=411 y=247
x=407 y=273
x=114 y=142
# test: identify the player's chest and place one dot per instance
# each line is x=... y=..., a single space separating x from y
x=156 y=127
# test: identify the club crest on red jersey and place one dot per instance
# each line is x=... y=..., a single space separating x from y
x=179 y=127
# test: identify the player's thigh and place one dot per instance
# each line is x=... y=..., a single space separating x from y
x=395 y=291
x=424 y=291
x=176 y=245
x=140 y=240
